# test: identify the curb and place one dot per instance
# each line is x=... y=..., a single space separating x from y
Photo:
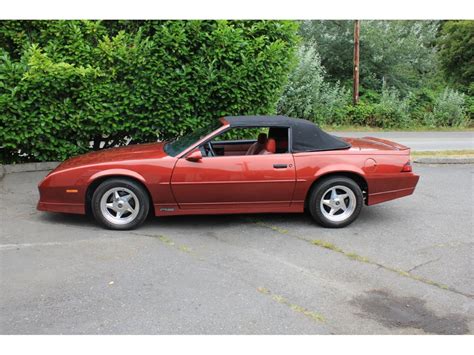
x=444 y=160
x=27 y=167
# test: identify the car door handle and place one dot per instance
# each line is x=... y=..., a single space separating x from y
x=280 y=166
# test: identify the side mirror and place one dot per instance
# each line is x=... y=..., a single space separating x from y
x=194 y=156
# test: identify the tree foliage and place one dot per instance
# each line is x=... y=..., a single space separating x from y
x=392 y=53
x=309 y=95
x=65 y=84
x=400 y=74
x=456 y=43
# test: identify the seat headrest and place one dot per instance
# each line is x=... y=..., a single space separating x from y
x=270 y=145
x=262 y=138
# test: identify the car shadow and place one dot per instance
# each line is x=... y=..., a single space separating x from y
x=75 y=220
x=368 y=216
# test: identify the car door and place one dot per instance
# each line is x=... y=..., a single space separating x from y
x=243 y=181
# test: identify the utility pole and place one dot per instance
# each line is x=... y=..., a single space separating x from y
x=356 y=61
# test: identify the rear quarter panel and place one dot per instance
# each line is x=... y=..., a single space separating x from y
x=380 y=169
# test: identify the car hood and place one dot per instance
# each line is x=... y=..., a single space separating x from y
x=127 y=153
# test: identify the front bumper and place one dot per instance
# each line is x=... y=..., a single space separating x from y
x=76 y=208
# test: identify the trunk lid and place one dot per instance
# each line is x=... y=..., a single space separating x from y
x=372 y=143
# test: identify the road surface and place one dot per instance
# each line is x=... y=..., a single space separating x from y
x=405 y=267
x=422 y=141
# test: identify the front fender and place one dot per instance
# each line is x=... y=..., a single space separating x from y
x=115 y=172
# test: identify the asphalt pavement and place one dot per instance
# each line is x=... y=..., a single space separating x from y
x=422 y=141
x=405 y=267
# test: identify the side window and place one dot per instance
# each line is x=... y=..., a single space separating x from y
x=240 y=134
x=248 y=141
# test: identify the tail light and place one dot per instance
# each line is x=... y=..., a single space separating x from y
x=407 y=167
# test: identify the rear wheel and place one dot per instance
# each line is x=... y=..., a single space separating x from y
x=335 y=202
x=120 y=204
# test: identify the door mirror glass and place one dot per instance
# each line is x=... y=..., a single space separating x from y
x=194 y=156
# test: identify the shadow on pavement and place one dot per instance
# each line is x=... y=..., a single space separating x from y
x=368 y=216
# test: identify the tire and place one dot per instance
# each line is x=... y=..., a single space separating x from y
x=335 y=202
x=120 y=204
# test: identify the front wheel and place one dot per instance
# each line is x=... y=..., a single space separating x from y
x=120 y=204
x=336 y=202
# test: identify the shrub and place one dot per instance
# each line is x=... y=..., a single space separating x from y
x=65 y=84
x=392 y=110
x=307 y=94
x=420 y=102
x=389 y=111
x=362 y=114
x=449 y=110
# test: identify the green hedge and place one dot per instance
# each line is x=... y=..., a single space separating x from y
x=67 y=87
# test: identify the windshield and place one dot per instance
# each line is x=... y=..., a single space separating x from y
x=178 y=145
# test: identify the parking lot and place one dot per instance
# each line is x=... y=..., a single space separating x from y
x=404 y=267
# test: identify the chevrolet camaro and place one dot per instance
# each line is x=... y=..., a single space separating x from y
x=237 y=164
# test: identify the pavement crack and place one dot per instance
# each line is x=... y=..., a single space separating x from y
x=167 y=241
x=4 y=247
x=423 y=264
x=359 y=258
x=451 y=244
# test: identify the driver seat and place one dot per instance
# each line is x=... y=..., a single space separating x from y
x=257 y=147
x=270 y=147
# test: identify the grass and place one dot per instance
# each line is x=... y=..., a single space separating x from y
x=358 y=258
x=466 y=153
x=294 y=307
x=363 y=259
x=167 y=241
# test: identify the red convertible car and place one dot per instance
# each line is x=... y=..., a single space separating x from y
x=238 y=164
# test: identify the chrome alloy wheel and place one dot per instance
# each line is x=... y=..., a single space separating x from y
x=119 y=205
x=338 y=203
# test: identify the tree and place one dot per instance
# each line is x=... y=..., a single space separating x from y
x=399 y=54
x=308 y=95
x=456 y=53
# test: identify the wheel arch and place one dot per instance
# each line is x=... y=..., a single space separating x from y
x=358 y=178
x=94 y=182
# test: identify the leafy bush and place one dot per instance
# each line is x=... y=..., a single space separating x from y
x=420 y=102
x=362 y=114
x=470 y=104
x=389 y=111
x=70 y=86
x=392 y=111
x=449 y=110
x=307 y=94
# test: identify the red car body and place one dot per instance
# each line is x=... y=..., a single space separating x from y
x=230 y=183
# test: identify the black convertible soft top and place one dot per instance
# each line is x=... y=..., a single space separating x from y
x=306 y=136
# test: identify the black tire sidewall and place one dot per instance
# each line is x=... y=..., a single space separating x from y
x=321 y=187
x=131 y=185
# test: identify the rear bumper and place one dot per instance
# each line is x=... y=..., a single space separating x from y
x=406 y=182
